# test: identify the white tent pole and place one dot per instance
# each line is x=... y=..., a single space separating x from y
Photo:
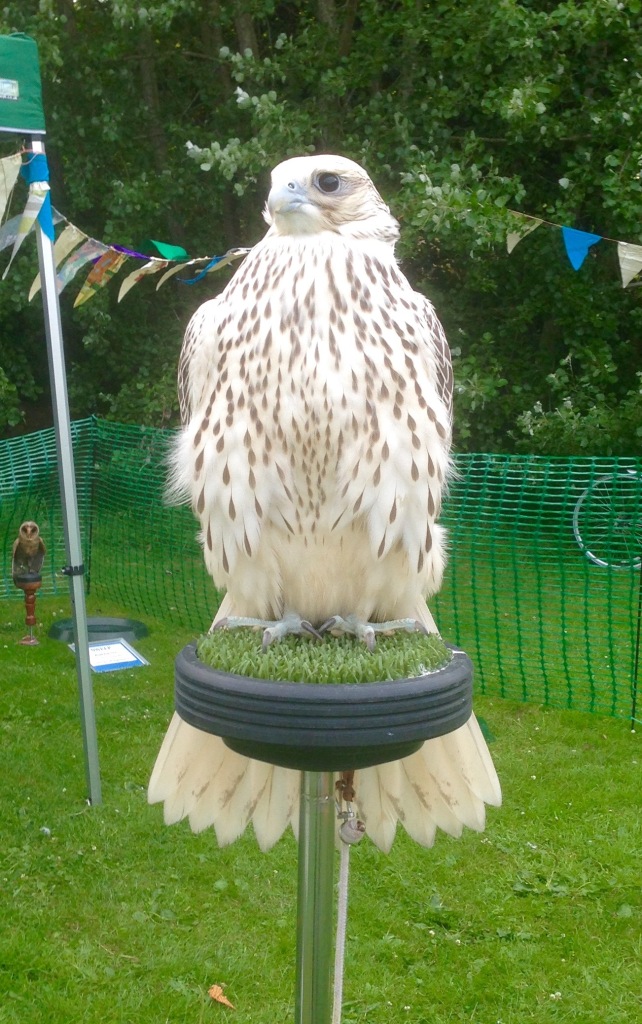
x=66 y=475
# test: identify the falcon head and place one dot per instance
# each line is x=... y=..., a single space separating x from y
x=312 y=194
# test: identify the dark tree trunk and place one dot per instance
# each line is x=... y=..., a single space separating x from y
x=214 y=41
x=155 y=128
x=245 y=31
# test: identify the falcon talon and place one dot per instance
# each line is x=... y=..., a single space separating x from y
x=290 y=625
x=307 y=627
x=328 y=625
x=272 y=635
x=268 y=638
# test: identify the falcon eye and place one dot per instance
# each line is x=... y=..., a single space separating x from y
x=328 y=182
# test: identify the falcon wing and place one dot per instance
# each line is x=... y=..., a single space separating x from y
x=441 y=353
x=196 y=358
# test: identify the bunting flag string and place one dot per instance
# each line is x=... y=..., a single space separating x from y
x=577 y=244
x=73 y=249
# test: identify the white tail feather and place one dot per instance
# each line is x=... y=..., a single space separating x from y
x=421 y=781
x=377 y=792
x=228 y=809
x=186 y=765
x=484 y=779
x=419 y=825
x=278 y=806
x=446 y=773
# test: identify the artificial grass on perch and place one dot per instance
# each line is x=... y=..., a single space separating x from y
x=323 y=706
x=343 y=659
x=330 y=705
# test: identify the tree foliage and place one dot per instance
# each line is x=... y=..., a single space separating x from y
x=164 y=120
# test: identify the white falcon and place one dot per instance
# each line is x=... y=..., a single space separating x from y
x=316 y=400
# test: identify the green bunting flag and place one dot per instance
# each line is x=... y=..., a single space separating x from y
x=167 y=251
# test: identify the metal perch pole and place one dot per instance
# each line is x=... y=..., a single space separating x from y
x=313 y=1002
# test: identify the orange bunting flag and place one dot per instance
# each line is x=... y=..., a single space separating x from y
x=216 y=992
x=100 y=273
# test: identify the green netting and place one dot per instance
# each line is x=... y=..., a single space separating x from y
x=144 y=554
x=541 y=619
x=541 y=588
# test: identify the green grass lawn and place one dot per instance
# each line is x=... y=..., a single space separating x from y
x=106 y=915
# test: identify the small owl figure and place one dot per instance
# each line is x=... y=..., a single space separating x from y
x=28 y=550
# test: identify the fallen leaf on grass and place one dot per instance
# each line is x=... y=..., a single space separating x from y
x=216 y=992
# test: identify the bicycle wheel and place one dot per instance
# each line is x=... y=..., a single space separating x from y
x=607 y=521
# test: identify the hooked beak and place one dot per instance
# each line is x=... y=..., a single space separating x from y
x=286 y=198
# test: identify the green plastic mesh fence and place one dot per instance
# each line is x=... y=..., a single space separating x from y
x=542 y=586
x=543 y=582
x=144 y=554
